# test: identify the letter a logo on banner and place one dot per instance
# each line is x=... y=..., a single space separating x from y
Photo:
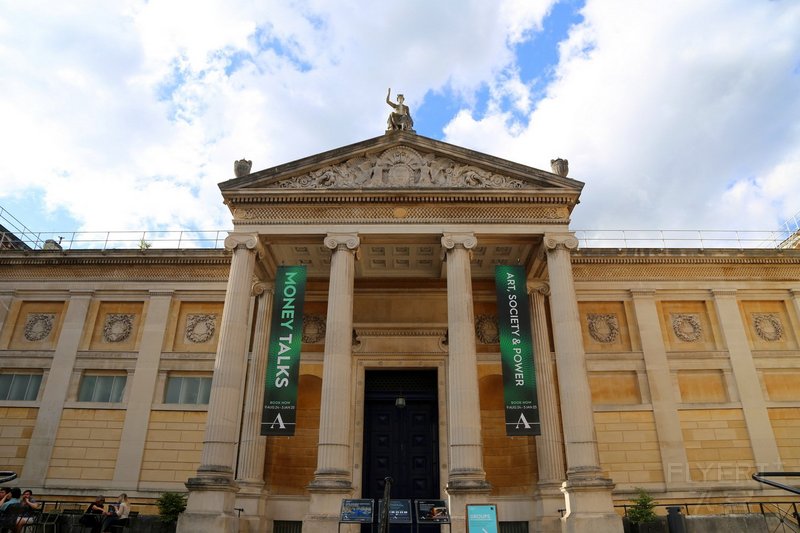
x=283 y=359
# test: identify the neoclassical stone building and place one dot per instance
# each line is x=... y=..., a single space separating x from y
x=674 y=370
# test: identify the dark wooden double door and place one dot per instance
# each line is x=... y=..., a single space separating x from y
x=401 y=441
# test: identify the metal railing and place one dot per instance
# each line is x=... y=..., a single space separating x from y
x=703 y=239
x=121 y=240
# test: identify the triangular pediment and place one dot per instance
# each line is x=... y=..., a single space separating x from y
x=401 y=161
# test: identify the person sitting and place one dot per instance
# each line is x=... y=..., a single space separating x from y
x=93 y=516
x=13 y=498
x=30 y=506
x=117 y=515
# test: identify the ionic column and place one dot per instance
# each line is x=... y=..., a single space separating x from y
x=588 y=493
x=550 y=444
x=754 y=407
x=253 y=445
x=211 y=493
x=40 y=448
x=334 y=460
x=463 y=405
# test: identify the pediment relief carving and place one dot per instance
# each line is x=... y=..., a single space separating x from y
x=400 y=167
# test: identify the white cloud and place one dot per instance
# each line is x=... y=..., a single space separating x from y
x=129 y=118
x=675 y=114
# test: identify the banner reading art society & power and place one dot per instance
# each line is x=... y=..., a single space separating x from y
x=516 y=352
x=283 y=359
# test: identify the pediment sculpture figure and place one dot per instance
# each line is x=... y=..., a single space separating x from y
x=400 y=118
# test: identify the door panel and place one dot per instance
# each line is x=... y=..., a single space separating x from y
x=401 y=442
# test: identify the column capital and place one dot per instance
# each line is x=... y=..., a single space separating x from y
x=165 y=293
x=80 y=294
x=643 y=293
x=468 y=241
x=556 y=241
x=260 y=287
x=724 y=293
x=248 y=241
x=795 y=293
x=541 y=287
x=343 y=241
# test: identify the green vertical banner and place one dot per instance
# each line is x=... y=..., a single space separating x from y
x=516 y=351
x=283 y=359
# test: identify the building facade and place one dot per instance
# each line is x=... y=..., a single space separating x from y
x=674 y=370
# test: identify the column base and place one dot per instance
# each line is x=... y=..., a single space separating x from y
x=323 y=509
x=461 y=492
x=253 y=503
x=550 y=506
x=210 y=506
x=589 y=506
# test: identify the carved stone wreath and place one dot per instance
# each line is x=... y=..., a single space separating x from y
x=687 y=327
x=38 y=326
x=603 y=328
x=768 y=326
x=487 y=329
x=313 y=328
x=200 y=328
x=118 y=327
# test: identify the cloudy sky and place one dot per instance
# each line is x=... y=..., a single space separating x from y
x=124 y=115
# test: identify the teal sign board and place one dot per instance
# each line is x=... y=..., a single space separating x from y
x=516 y=351
x=283 y=360
x=482 y=518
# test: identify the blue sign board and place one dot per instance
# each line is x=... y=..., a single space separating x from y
x=482 y=518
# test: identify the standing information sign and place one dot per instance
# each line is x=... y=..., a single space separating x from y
x=359 y=511
x=482 y=518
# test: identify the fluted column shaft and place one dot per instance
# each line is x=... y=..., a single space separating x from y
x=550 y=444
x=253 y=446
x=219 y=448
x=576 y=399
x=334 y=459
x=463 y=405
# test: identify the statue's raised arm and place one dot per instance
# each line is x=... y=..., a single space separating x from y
x=400 y=117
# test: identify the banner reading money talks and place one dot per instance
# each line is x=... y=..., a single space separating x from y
x=516 y=352
x=283 y=358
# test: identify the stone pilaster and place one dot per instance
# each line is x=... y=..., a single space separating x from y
x=588 y=494
x=662 y=393
x=466 y=477
x=140 y=397
x=253 y=447
x=210 y=507
x=550 y=444
x=333 y=477
x=34 y=472
x=754 y=407
x=5 y=305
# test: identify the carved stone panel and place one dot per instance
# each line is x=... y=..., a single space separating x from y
x=603 y=328
x=118 y=327
x=687 y=326
x=314 y=327
x=38 y=326
x=487 y=329
x=400 y=168
x=200 y=328
x=768 y=326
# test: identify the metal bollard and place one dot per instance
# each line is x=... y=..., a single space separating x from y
x=676 y=522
